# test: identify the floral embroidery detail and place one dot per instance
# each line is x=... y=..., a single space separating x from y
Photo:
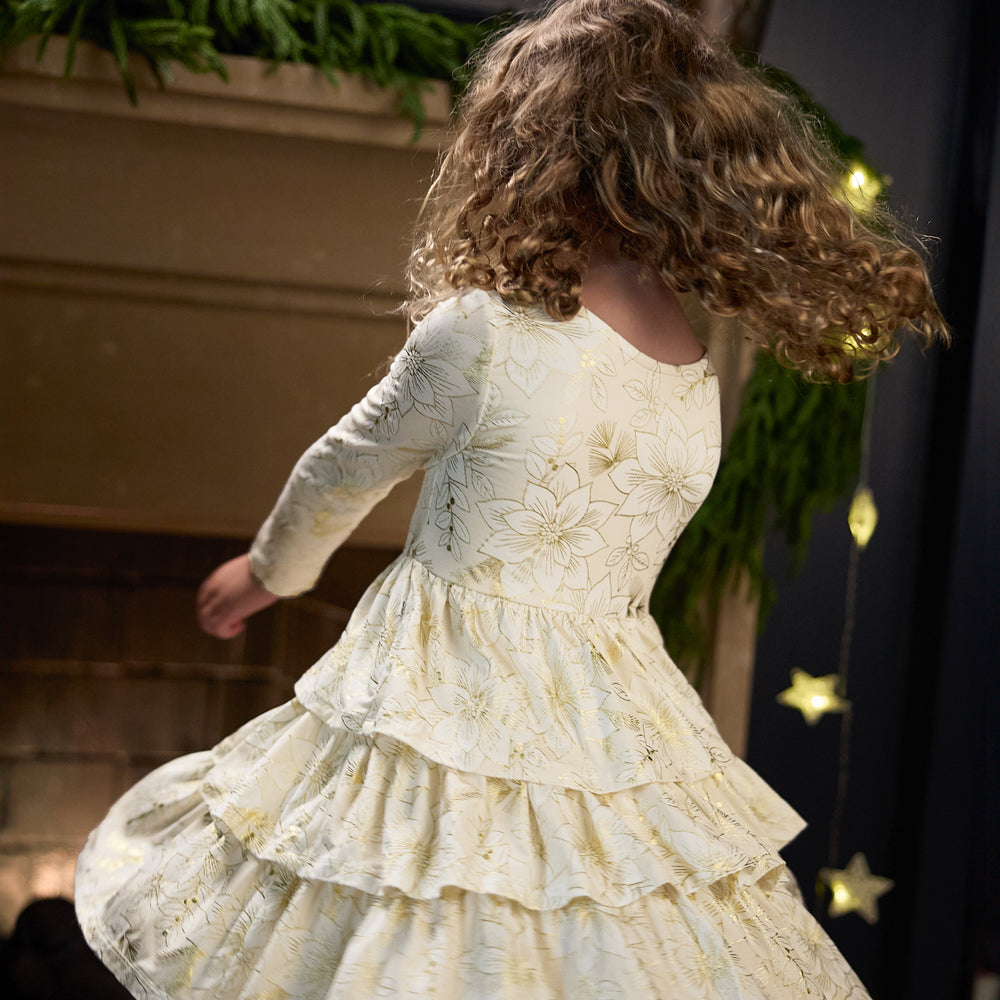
x=426 y=378
x=475 y=707
x=667 y=480
x=646 y=392
x=699 y=387
x=609 y=447
x=536 y=347
x=601 y=600
x=595 y=367
x=629 y=558
x=545 y=538
x=467 y=471
x=548 y=451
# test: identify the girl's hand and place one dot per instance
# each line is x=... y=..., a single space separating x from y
x=230 y=596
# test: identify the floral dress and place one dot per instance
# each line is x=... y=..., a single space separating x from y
x=496 y=784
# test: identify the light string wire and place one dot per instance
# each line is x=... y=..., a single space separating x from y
x=850 y=616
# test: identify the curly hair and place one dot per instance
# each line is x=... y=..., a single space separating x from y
x=625 y=116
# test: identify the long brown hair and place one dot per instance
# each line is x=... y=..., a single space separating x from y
x=626 y=116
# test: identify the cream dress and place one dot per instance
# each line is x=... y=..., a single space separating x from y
x=496 y=784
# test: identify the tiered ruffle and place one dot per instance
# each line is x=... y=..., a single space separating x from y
x=374 y=814
x=485 y=684
x=339 y=846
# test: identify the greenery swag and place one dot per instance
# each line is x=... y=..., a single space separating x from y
x=390 y=44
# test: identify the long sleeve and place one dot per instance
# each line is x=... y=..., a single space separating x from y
x=426 y=408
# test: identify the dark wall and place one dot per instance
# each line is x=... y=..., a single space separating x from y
x=917 y=83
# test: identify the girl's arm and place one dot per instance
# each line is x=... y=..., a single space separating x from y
x=425 y=409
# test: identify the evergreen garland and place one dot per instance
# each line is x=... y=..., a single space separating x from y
x=390 y=44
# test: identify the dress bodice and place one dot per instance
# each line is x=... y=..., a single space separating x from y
x=561 y=462
x=587 y=460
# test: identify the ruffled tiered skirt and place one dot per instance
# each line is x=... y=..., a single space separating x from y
x=467 y=798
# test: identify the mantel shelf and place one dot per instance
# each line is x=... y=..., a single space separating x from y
x=259 y=96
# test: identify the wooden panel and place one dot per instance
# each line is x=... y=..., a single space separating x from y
x=292 y=100
x=191 y=293
x=193 y=200
x=171 y=416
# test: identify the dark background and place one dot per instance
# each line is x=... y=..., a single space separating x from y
x=918 y=83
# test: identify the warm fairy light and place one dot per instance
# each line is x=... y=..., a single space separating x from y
x=864 y=344
x=860 y=187
x=862 y=518
x=860 y=344
x=851 y=344
x=813 y=696
x=854 y=889
x=52 y=874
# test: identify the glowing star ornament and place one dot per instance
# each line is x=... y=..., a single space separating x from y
x=862 y=518
x=813 y=696
x=854 y=889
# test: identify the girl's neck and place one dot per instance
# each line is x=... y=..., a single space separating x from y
x=638 y=305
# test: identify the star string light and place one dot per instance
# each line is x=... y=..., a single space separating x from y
x=862 y=518
x=813 y=696
x=854 y=889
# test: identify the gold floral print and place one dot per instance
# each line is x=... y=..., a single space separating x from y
x=535 y=347
x=698 y=388
x=474 y=705
x=497 y=785
x=609 y=446
x=546 y=539
x=668 y=479
x=647 y=392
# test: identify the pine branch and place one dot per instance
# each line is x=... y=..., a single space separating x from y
x=393 y=45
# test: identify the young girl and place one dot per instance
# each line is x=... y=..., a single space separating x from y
x=497 y=784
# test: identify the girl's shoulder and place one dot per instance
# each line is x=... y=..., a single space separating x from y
x=460 y=328
x=478 y=313
x=466 y=306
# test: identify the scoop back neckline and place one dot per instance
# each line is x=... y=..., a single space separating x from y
x=636 y=352
x=612 y=334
